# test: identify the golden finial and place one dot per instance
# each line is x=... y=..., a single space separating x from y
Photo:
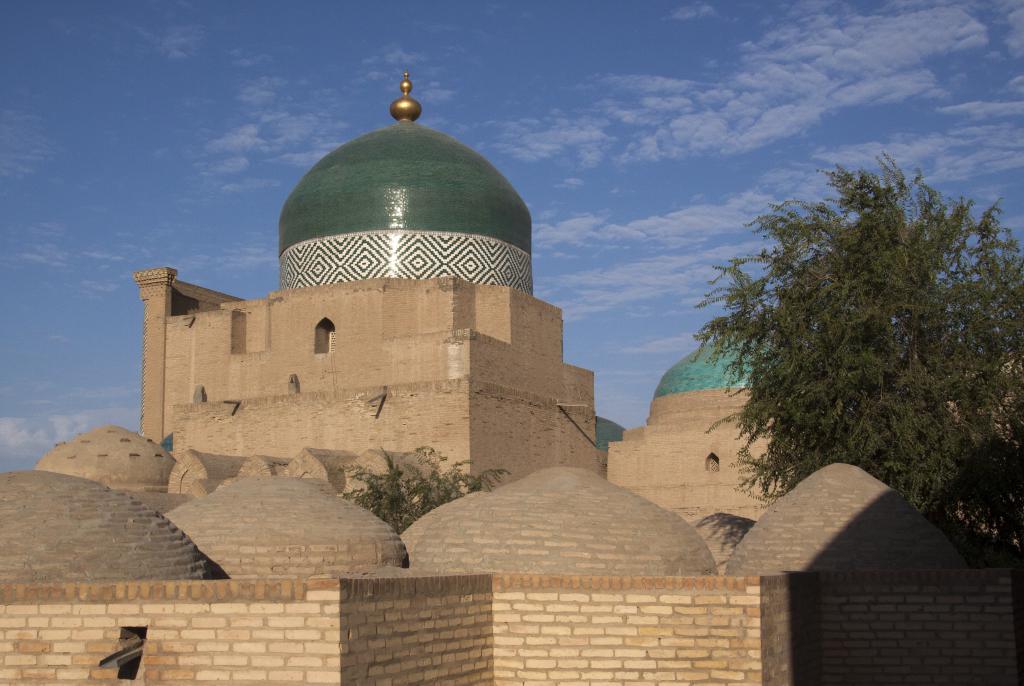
x=406 y=108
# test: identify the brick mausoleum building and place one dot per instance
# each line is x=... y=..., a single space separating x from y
x=404 y=319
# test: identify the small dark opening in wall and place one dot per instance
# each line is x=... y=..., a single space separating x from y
x=323 y=339
x=712 y=463
x=132 y=640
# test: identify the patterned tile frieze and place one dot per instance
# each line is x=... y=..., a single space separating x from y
x=405 y=255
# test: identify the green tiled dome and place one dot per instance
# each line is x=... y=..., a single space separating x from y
x=696 y=372
x=606 y=431
x=405 y=176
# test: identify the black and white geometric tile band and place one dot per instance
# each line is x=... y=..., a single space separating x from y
x=405 y=254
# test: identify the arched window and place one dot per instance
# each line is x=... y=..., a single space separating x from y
x=711 y=463
x=323 y=340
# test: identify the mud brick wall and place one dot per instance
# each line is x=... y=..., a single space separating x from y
x=934 y=627
x=626 y=630
x=424 y=630
x=281 y=632
x=791 y=623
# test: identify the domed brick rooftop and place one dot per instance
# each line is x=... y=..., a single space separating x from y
x=841 y=518
x=722 y=532
x=113 y=456
x=281 y=527
x=404 y=201
x=696 y=372
x=607 y=431
x=56 y=528
x=557 y=521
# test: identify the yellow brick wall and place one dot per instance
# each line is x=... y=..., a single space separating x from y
x=427 y=630
x=427 y=341
x=626 y=630
x=414 y=415
x=239 y=632
x=853 y=628
x=665 y=460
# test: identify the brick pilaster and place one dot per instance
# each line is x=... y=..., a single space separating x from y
x=155 y=292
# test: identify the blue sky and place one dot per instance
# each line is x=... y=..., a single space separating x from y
x=643 y=136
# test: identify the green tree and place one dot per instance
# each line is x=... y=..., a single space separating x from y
x=404 y=493
x=883 y=327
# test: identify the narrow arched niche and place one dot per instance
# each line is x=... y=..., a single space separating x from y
x=323 y=339
x=712 y=463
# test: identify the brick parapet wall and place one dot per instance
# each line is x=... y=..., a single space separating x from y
x=790 y=642
x=239 y=632
x=941 y=627
x=936 y=627
x=626 y=630
x=420 y=630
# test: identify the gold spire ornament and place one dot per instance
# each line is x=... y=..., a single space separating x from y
x=406 y=108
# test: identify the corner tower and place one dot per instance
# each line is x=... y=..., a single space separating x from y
x=406 y=202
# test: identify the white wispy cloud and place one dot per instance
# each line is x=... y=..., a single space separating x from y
x=252 y=184
x=795 y=74
x=261 y=91
x=693 y=10
x=90 y=287
x=533 y=139
x=957 y=154
x=24 y=146
x=283 y=123
x=979 y=109
x=816 y=60
x=1015 y=22
x=23 y=440
x=175 y=42
x=237 y=259
x=669 y=344
x=240 y=139
x=391 y=61
x=695 y=223
x=245 y=59
x=43 y=253
x=228 y=165
x=681 y=276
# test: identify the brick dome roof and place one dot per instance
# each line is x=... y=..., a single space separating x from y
x=722 y=532
x=841 y=518
x=56 y=528
x=557 y=521
x=115 y=457
x=284 y=527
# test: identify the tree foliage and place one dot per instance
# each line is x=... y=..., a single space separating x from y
x=883 y=327
x=402 y=494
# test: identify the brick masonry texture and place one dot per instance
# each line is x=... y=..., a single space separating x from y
x=667 y=460
x=626 y=630
x=266 y=527
x=934 y=627
x=472 y=370
x=900 y=627
x=55 y=527
x=426 y=630
x=842 y=518
x=556 y=521
x=229 y=631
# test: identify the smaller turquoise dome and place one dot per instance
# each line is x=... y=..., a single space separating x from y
x=696 y=372
x=606 y=431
